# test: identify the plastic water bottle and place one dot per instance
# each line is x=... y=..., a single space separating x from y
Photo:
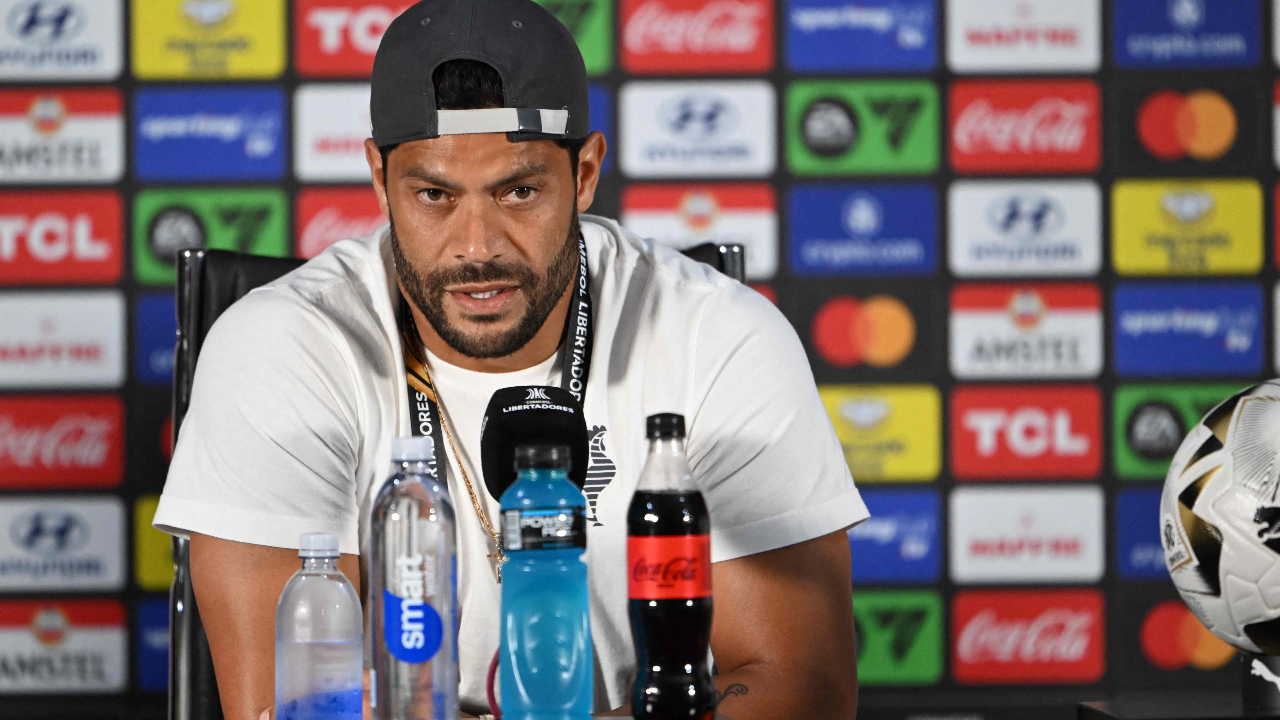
x=545 y=648
x=319 y=638
x=413 y=590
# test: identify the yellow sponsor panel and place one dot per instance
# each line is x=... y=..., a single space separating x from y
x=1186 y=227
x=152 y=549
x=888 y=432
x=209 y=39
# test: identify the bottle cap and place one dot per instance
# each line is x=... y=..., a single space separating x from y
x=543 y=456
x=664 y=426
x=413 y=449
x=318 y=545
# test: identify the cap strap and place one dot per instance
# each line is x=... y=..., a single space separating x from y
x=493 y=120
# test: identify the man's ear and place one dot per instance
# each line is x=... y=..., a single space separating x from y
x=373 y=156
x=590 y=160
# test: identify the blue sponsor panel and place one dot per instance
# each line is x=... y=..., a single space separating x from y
x=1139 y=555
x=839 y=35
x=600 y=104
x=1187 y=330
x=155 y=330
x=900 y=541
x=213 y=134
x=1186 y=33
x=863 y=230
x=151 y=623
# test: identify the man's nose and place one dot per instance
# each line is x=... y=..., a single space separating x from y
x=479 y=234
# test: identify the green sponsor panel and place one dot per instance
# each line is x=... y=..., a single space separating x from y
x=1150 y=420
x=899 y=637
x=591 y=22
x=881 y=127
x=252 y=220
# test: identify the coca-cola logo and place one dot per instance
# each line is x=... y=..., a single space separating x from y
x=1050 y=125
x=61 y=441
x=1028 y=636
x=330 y=225
x=692 y=36
x=72 y=441
x=674 y=570
x=1055 y=635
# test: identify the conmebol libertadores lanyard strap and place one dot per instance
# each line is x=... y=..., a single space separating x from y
x=424 y=403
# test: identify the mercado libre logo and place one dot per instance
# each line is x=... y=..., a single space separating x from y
x=887 y=432
x=899 y=637
x=1195 y=227
x=208 y=39
x=837 y=127
x=1185 y=126
x=166 y=222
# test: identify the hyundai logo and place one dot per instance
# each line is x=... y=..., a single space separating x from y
x=49 y=532
x=698 y=117
x=43 y=22
x=1026 y=217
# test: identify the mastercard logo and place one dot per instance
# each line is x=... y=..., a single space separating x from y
x=1199 y=124
x=1172 y=639
x=878 y=331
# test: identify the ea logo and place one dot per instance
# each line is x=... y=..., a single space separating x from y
x=878 y=331
x=1200 y=125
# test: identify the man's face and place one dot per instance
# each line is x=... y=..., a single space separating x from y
x=485 y=236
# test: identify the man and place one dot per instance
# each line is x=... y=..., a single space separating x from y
x=482 y=158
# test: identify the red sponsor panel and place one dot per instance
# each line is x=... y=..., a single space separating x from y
x=1010 y=432
x=61 y=441
x=61 y=238
x=338 y=38
x=49 y=107
x=78 y=613
x=327 y=215
x=683 y=37
x=1017 y=126
x=1027 y=636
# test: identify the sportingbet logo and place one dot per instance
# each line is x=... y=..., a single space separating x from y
x=1015 y=432
x=1028 y=637
x=1020 y=126
x=697 y=36
x=339 y=39
x=61 y=237
x=61 y=441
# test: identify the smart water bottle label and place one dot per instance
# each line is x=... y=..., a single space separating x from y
x=669 y=567
x=411 y=628
x=544 y=529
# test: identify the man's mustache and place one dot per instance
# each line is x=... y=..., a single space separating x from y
x=438 y=280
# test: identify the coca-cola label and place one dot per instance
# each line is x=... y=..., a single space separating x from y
x=669 y=567
x=556 y=528
x=327 y=215
x=697 y=36
x=62 y=441
x=54 y=237
x=1029 y=636
x=1020 y=126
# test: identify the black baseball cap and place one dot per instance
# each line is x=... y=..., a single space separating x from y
x=544 y=81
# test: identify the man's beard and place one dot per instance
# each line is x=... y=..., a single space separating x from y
x=542 y=293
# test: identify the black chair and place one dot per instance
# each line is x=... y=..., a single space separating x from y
x=209 y=281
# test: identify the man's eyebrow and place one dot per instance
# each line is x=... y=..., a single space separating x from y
x=427 y=176
x=520 y=173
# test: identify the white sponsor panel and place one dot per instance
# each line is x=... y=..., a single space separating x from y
x=53 y=542
x=72 y=646
x=697 y=129
x=331 y=123
x=697 y=215
x=61 y=136
x=1025 y=228
x=1027 y=535
x=60 y=39
x=1025 y=331
x=1024 y=35
x=62 y=339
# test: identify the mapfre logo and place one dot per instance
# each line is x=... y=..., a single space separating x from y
x=61 y=339
x=1024 y=36
x=327 y=215
x=61 y=238
x=1032 y=636
x=1027 y=535
x=1018 y=431
x=697 y=36
x=339 y=39
x=61 y=441
x=1022 y=126
x=330 y=125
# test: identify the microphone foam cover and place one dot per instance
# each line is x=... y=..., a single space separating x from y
x=529 y=415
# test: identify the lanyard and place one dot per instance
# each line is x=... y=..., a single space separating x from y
x=424 y=402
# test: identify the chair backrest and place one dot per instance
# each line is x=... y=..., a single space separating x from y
x=209 y=281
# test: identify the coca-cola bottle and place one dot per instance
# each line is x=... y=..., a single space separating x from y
x=669 y=585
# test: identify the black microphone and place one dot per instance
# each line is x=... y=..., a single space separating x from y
x=527 y=415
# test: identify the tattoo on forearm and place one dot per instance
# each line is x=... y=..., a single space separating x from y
x=732 y=690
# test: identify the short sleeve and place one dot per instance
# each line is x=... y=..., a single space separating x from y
x=268 y=448
x=760 y=442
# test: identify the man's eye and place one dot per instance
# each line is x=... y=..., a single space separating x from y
x=523 y=192
x=433 y=194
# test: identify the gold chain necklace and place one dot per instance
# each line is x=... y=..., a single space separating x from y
x=496 y=558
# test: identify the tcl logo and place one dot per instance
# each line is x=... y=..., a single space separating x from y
x=697 y=36
x=1032 y=431
x=327 y=215
x=60 y=237
x=1020 y=126
x=64 y=441
x=337 y=39
x=1028 y=637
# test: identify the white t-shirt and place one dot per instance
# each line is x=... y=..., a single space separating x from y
x=300 y=389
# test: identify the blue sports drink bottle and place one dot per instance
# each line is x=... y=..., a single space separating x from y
x=546 y=662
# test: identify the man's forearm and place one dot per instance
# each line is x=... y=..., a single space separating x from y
x=759 y=692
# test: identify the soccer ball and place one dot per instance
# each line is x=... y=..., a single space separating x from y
x=1220 y=519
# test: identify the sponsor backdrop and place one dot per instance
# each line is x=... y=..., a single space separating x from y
x=1026 y=243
